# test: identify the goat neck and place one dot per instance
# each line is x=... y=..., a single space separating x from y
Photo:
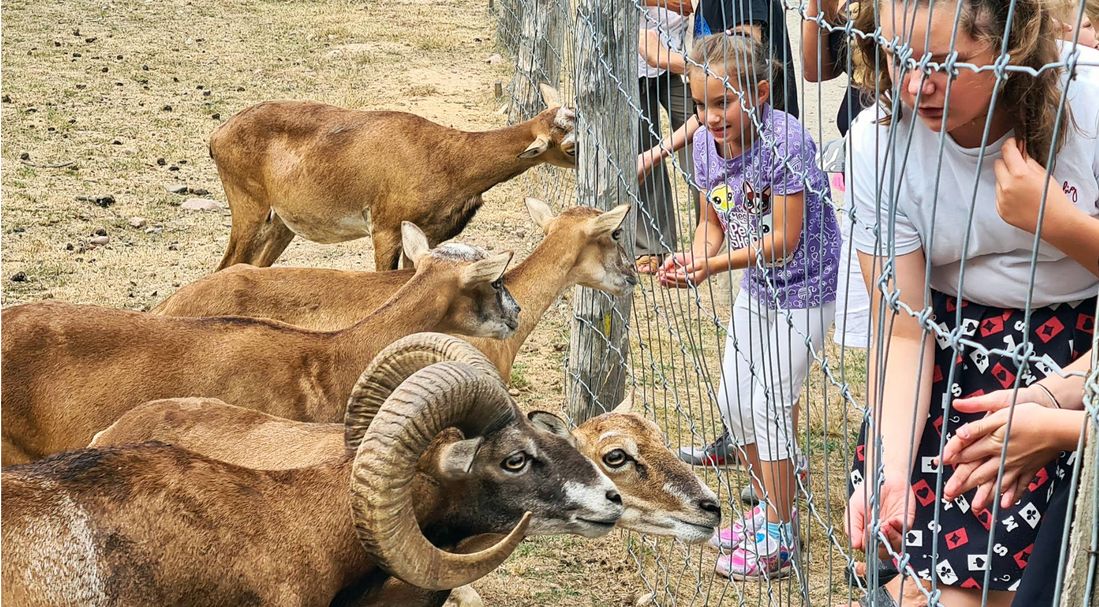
x=497 y=156
x=535 y=284
x=418 y=298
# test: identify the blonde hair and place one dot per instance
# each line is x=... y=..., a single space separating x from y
x=737 y=54
x=1032 y=101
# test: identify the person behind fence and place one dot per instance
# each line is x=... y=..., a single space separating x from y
x=766 y=197
x=663 y=31
x=944 y=182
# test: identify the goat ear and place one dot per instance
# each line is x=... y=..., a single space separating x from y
x=550 y=95
x=456 y=459
x=539 y=212
x=486 y=270
x=548 y=422
x=611 y=220
x=414 y=242
x=537 y=148
x=626 y=406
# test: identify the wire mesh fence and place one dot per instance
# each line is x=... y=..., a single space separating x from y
x=895 y=273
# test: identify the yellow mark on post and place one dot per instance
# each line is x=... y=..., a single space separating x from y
x=607 y=324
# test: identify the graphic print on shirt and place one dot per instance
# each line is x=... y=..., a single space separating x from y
x=759 y=205
x=734 y=216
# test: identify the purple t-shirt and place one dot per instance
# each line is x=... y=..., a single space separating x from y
x=782 y=161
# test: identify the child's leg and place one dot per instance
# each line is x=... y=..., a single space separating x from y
x=784 y=375
x=735 y=392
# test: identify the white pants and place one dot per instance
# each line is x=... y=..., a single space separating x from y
x=852 y=301
x=765 y=365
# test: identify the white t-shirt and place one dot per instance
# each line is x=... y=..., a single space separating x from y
x=673 y=30
x=997 y=267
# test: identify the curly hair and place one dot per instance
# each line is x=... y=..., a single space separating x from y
x=1032 y=101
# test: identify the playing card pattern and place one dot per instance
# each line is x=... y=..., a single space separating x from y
x=1059 y=334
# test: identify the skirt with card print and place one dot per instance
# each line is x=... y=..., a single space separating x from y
x=1059 y=334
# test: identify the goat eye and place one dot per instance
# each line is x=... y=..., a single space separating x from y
x=616 y=458
x=498 y=284
x=515 y=462
x=617 y=234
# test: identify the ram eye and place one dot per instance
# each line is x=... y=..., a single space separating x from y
x=616 y=458
x=515 y=462
x=617 y=234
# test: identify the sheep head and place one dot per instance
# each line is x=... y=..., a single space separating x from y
x=597 y=236
x=471 y=280
x=554 y=131
x=511 y=472
x=661 y=494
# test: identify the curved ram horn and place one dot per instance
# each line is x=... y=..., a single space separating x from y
x=434 y=398
x=395 y=364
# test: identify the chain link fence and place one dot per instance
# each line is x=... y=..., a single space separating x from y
x=666 y=346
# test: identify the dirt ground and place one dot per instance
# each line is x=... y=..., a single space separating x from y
x=108 y=105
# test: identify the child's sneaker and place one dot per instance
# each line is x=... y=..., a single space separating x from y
x=753 y=522
x=769 y=555
x=733 y=535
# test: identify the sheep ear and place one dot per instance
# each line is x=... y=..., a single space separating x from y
x=548 y=422
x=456 y=459
x=486 y=270
x=610 y=220
x=626 y=406
x=414 y=242
x=537 y=148
x=550 y=95
x=539 y=212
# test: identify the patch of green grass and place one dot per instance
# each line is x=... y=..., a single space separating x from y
x=519 y=379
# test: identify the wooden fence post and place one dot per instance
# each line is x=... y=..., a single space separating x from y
x=540 y=42
x=606 y=94
x=1083 y=549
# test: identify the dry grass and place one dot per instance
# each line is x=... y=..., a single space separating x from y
x=90 y=82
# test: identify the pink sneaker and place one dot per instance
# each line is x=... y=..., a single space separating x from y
x=744 y=527
x=733 y=535
x=760 y=558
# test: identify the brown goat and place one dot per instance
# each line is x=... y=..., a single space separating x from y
x=581 y=246
x=330 y=174
x=70 y=371
x=156 y=524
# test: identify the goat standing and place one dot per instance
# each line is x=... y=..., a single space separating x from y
x=330 y=174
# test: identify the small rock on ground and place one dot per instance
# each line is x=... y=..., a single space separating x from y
x=201 y=204
x=138 y=222
x=19 y=277
x=99 y=240
x=177 y=188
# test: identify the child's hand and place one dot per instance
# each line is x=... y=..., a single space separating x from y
x=975 y=449
x=646 y=161
x=684 y=270
x=1020 y=183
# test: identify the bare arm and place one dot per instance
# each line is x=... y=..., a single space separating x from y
x=904 y=349
x=668 y=146
x=683 y=7
x=816 y=58
x=1020 y=185
x=657 y=54
x=705 y=260
x=775 y=247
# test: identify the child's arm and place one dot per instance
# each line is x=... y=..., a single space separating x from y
x=1020 y=181
x=775 y=247
x=668 y=146
x=898 y=404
